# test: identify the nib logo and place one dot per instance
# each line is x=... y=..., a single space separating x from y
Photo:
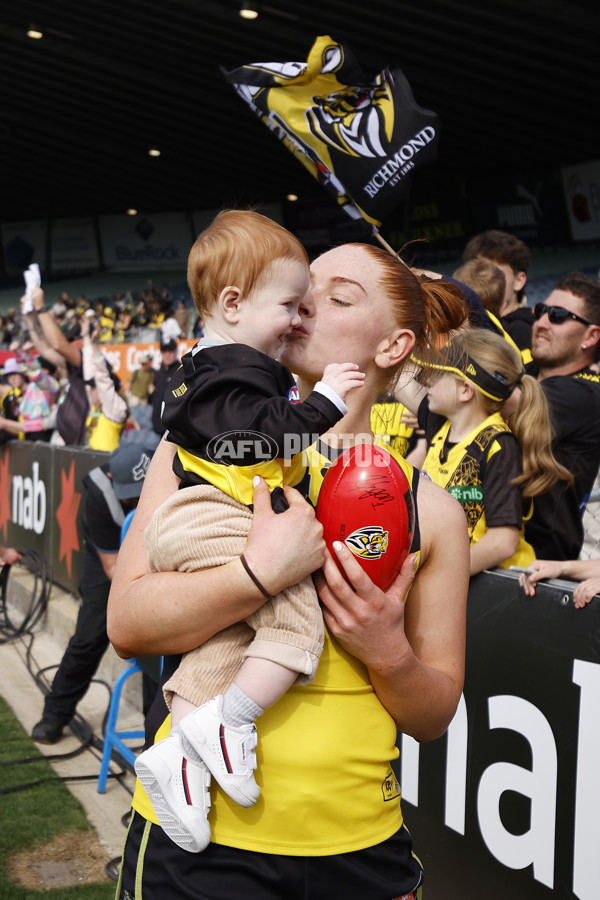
x=144 y=228
x=66 y=515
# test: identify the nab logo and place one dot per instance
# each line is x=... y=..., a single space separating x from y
x=293 y=395
x=369 y=542
x=29 y=501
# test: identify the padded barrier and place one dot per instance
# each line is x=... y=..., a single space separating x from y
x=506 y=805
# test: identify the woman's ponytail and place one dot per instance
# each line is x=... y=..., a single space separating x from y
x=445 y=312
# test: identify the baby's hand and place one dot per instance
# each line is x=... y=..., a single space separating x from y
x=343 y=377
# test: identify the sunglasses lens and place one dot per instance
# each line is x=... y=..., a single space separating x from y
x=556 y=314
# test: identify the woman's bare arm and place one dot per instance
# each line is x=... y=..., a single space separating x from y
x=414 y=651
x=173 y=612
x=53 y=337
x=37 y=338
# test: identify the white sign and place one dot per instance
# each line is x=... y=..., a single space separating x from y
x=161 y=241
x=73 y=245
x=582 y=196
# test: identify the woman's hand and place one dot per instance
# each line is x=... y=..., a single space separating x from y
x=368 y=622
x=272 y=551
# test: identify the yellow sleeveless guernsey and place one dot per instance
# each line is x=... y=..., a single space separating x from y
x=324 y=752
x=461 y=475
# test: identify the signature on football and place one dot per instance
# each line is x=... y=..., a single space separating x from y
x=374 y=489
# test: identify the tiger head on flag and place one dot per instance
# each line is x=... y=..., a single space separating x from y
x=360 y=139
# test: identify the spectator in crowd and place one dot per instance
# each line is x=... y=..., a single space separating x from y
x=13 y=376
x=141 y=383
x=168 y=367
x=198 y=329
x=141 y=317
x=59 y=309
x=9 y=556
x=565 y=343
x=12 y=328
x=28 y=406
x=183 y=316
x=88 y=415
x=122 y=325
x=489 y=467
x=170 y=330
x=157 y=315
x=487 y=280
x=108 y=409
x=586 y=571
x=61 y=349
x=165 y=296
x=489 y=283
x=512 y=256
x=111 y=491
x=107 y=325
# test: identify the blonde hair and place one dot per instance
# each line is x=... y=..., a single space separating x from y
x=486 y=279
x=238 y=248
x=530 y=423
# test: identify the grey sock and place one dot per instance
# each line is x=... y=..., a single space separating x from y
x=239 y=708
x=189 y=750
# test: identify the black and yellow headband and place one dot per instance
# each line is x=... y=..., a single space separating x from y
x=492 y=385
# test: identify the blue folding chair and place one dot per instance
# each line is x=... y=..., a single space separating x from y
x=113 y=739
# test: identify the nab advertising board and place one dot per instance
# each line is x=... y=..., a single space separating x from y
x=41 y=503
x=506 y=805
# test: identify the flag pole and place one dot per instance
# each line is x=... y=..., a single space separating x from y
x=389 y=248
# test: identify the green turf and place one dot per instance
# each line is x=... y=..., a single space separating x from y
x=37 y=814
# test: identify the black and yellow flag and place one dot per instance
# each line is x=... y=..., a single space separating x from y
x=361 y=139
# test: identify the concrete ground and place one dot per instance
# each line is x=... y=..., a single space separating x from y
x=19 y=689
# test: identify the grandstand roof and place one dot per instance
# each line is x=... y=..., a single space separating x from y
x=515 y=83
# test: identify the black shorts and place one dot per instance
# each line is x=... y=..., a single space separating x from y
x=154 y=868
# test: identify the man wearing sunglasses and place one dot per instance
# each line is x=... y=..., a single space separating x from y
x=565 y=344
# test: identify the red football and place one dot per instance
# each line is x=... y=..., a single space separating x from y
x=366 y=502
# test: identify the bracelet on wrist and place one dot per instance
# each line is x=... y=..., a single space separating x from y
x=261 y=587
x=41 y=309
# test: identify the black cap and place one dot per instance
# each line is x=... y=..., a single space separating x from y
x=128 y=465
x=168 y=345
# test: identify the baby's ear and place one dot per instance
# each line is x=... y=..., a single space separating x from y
x=228 y=303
